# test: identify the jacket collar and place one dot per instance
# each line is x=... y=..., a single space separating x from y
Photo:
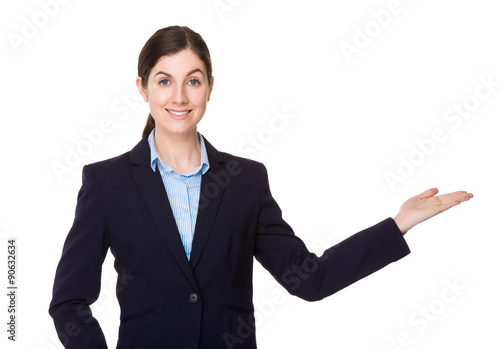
x=140 y=154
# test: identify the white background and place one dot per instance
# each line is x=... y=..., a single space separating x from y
x=356 y=117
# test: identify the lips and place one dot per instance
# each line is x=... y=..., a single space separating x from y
x=179 y=114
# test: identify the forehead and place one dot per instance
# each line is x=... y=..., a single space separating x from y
x=179 y=63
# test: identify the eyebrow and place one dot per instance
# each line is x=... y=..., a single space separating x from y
x=191 y=72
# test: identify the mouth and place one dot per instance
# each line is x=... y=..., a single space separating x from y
x=179 y=114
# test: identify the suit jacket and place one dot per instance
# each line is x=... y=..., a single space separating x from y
x=167 y=301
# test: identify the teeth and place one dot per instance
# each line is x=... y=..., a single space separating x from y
x=178 y=113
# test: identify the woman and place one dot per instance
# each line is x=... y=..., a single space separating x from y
x=184 y=222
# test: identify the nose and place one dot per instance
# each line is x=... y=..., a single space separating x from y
x=179 y=95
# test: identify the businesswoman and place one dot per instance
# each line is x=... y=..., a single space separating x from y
x=184 y=222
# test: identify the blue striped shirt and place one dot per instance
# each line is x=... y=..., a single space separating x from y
x=183 y=191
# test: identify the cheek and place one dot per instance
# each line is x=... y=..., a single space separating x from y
x=199 y=99
x=158 y=100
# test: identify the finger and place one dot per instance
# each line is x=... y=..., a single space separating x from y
x=458 y=196
x=463 y=196
x=453 y=199
x=428 y=193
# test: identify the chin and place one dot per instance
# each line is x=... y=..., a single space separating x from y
x=177 y=130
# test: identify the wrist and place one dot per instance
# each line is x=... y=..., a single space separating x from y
x=400 y=222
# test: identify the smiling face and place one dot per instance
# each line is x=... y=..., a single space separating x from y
x=177 y=91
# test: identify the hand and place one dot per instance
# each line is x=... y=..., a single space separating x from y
x=426 y=205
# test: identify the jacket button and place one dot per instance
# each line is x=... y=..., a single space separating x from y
x=193 y=297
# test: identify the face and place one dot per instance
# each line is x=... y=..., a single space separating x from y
x=177 y=92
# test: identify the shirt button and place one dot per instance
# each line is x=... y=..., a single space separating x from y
x=193 y=297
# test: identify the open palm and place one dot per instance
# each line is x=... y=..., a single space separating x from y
x=426 y=205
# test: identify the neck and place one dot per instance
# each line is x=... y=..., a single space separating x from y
x=182 y=152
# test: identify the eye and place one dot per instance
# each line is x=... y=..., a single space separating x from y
x=164 y=82
x=193 y=82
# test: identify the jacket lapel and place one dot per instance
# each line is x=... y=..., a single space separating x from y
x=151 y=187
x=213 y=183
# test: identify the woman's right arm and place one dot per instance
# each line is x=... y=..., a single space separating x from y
x=78 y=276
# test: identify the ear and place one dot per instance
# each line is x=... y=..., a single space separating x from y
x=211 y=88
x=142 y=90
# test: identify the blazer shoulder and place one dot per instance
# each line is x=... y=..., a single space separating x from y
x=109 y=175
x=112 y=173
x=111 y=165
x=246 y=169
x=231 y=161
x=241 y=160
x=117 y=165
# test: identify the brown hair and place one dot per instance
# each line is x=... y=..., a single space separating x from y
x=165 y=42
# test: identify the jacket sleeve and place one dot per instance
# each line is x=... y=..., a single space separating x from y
x=78 y=277
x=310 y=277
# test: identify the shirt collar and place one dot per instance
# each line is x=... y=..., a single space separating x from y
x=204 y=164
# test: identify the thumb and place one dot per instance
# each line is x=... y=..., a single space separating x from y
x=428 y=193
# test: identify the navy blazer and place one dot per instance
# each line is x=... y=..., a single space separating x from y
x=167 y=301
